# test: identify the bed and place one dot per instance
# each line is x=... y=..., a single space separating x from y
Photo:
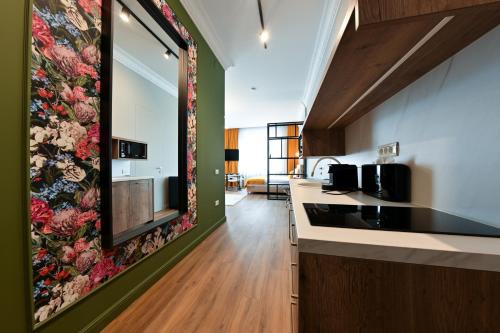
x=259 y=184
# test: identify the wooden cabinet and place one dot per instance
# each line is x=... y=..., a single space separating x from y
x=141 y=201
x=132 y=204
x=387 y=45
x=294 y=272
x=121 y=206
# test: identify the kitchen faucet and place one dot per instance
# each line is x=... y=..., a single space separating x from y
x=321 y=159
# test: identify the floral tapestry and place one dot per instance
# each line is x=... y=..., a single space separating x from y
x=67 y=258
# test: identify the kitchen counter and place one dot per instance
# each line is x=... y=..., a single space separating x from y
x=470 y=252
x=129 y=178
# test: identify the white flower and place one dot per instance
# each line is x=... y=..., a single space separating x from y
x=73 y=289
x=45 y=311
x=76 y=18
x=37 y=161
x=74 y=173
x=96 y=163
x=70 y=134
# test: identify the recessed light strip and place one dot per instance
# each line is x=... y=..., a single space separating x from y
x=264 y=34
x=414 y=49
x=125 y=15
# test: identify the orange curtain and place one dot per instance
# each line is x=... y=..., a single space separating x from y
x=293 y=147
x=231 y=142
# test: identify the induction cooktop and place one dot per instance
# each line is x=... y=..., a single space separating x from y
x=389 y=218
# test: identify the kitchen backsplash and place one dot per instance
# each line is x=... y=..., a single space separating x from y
x=448 y=125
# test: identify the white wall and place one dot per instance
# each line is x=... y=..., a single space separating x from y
x=448 y=125
x=144 y=112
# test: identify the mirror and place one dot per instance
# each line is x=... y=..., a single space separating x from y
x=146 y=129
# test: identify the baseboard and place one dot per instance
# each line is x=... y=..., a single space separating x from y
x=112 y=312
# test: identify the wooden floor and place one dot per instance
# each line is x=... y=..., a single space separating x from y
x=237 y=280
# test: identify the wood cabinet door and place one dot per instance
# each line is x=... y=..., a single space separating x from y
x=121 y=206
x=141 y=202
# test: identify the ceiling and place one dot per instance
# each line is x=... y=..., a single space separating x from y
x=285 y=73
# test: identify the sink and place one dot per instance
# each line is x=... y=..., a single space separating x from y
x=311 y=184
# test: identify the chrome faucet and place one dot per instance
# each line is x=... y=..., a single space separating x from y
x=321 y=159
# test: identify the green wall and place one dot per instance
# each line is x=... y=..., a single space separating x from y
x=94 y=311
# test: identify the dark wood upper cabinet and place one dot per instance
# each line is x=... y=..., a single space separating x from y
x=387 y=45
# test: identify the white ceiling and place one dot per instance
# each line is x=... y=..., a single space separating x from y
x=284 y=73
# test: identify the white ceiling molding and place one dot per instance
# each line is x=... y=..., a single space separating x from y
x=333 y=22
x=204 y=24
x=132 y=63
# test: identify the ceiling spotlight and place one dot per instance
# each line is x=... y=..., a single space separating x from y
x=254 y=88
x=264 y=36
x=125 y=14
x=167 y=54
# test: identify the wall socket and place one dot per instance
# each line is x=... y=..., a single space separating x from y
x=388 y=150
x=216 y=202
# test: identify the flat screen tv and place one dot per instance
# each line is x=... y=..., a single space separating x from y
x=232 y=154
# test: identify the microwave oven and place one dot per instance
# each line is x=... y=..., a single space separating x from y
x=133 y=150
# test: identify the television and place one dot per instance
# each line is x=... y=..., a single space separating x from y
x=232 y=154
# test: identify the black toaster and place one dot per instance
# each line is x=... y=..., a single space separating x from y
x=391 y=182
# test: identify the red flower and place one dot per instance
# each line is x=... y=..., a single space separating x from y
x=104 y=269
x=62 y=275
x=47 y=282
x=93 y=133
x=83 y=150
x=98 y=225
x=46 y=270
x=44 y=93
x=42 y=253
x=41 y=31
x=40 y=211
x=41 y=73
x=45 y=106
x=98 y=86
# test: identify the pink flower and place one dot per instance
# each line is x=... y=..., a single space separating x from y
x=67 y=94
x=69 y=254
x=103 y=270
x=85 y=217
x=90 y=199
x=64 y=223
x=40 y=211
x=98 y=86
x=84 y=112
x=93 y=133
x=91 y=6
x=81 y=245
x=85 y=260
x=186 y=225
x=98 y=225
x=91 y=55
x=79 y=93
x=41 y=31
x=64 y=58
x=83 y=150
x=84 y=69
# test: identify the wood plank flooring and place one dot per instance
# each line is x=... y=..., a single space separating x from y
x=236 y=280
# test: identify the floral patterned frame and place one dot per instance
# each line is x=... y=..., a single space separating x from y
x=67 y=258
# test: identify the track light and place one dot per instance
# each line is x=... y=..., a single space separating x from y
x=167 y=54
x=264 y=36
x=125 y=14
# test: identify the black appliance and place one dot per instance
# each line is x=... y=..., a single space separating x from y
x=404 y=219
x=133 y=150
x=232 y=154
x=173 y=192
x=343 y=177
x=391 y=182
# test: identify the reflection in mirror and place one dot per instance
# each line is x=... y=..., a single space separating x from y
x=144 y=121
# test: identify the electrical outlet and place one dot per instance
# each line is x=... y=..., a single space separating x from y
x=216 y=171
x=388 y=150
x=216 y=202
